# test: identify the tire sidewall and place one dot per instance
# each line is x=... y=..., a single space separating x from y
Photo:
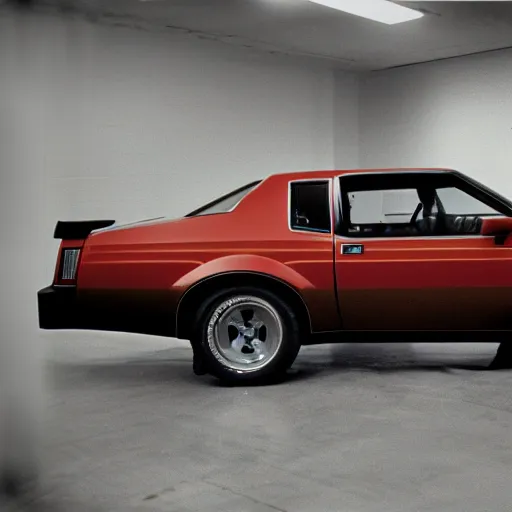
x=283 y=359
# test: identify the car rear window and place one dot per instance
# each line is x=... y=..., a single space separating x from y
x=225 y=203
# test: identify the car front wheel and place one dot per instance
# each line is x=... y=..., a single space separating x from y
x=247 y=334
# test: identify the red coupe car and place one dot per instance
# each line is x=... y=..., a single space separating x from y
x=295 y=259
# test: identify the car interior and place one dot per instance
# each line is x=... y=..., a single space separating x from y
x=428 y=219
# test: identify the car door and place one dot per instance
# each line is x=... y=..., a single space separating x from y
x=390 y=276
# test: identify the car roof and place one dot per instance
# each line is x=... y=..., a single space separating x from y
x=323 y=174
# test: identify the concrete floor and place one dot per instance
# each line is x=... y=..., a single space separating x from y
x=354 y=429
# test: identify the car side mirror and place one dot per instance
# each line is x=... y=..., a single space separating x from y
x=499 y=227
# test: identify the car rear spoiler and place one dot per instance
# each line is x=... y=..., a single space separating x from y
x=79 y=230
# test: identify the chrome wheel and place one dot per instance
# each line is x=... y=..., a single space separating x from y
x=245 y=333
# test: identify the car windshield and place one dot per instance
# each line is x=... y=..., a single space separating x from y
x=225 y=203
x=492 y=193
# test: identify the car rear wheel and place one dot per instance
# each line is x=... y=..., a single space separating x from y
x=247 y=334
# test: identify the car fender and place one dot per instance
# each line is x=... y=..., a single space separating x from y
x=244 y=263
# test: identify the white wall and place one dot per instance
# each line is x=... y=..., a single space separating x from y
x=128 y=124
x=455 y=113
x=23 y=194
x=346 y=120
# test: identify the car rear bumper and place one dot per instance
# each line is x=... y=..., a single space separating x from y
x=62 y=308
x=58 y=308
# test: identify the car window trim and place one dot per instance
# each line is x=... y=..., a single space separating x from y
x=329 y=182
x=384 y=238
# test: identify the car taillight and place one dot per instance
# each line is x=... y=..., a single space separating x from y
x=69 y=264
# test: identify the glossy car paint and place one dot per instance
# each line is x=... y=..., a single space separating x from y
x=426 y=284
x=397 y=284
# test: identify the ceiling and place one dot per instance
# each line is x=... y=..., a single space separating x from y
x=298 y=27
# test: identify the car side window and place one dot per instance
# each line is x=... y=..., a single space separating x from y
x=225 y=203
x=310 y=206
x=382 y=206
x=457 y=202
x=416 y=204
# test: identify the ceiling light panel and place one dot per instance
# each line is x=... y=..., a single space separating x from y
x=377 y=10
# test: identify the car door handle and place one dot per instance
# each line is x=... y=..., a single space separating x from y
x=352 y=249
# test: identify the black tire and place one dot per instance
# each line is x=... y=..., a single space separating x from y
x=503 y=358
x=204 y=345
